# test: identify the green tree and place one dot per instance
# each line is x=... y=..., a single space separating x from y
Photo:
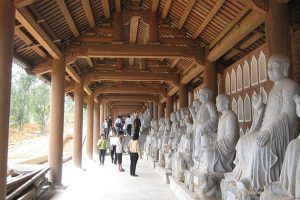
x=20 y=99
x=41 y=105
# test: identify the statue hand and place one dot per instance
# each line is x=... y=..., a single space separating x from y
x=257 y=101
x=263 y=138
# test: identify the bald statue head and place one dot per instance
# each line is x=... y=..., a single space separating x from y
x=205 y=94
x=222 y=102
x=278 y=67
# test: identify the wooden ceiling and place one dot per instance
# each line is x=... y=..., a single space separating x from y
x=45 y=28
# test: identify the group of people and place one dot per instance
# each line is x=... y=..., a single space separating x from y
x=116 y=143
x=121 y=124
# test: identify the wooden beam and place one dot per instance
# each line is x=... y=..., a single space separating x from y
x=208 y=18
x=175 y=62
x=30 y=24
x=29 y=42
x=229 y=27
x=195 y=71
x=126 y=107
x=173 y=90
x=127 y=103
x=186 y=13
x=129 y=98
x=135 y=51
x=231 y=53
x=250 y=23
x=105 y=7
x=73 y=74
x=134 y=24
x=130 y=76
x=63 y=8
x=23 y=3
x=88 y=12
x=129 y=90
x=89 y=60
x=166 y=9
x=154 y=5
x=118 y=5
x=251 y=40
x=42 y=68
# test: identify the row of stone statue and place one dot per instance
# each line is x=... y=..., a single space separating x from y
x=209 y=156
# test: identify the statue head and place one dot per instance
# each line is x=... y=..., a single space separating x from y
x=205 y=94
x=297 y=101
x=178 y=117
x=197 y=104
x=222 y=102
x=278 y=67
x=184 y=112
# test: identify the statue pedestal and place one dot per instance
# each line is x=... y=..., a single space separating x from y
x=152 y=162
x=231 y=191
x=164 y=173
x=207 y=185
x=275 y=191
x=181 y=192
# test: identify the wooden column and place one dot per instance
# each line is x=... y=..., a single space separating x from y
x=117 y=35
x=105 y=109
x=55 y=156
x=211 y=77
x=160 y=110
x=7 y=22
x=78 y=111
x=144 y=64
x=168 y=106
x=151 y=109
x=183 y=96
x=278 y=29
x=102 y=116
x=96 y=130
x=89 y=126
x=155 y=111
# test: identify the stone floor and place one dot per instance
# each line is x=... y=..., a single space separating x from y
x=106 y=183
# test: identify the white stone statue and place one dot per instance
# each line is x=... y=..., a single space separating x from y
x=170 y=147
x=260 y=152
x=149 y=138
x=160 y=135
x=183 y=157
x=205 y=120
x=289 y=185
x=217 y=158
x=164 y=142
x=156 y=139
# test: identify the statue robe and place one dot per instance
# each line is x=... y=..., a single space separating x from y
x=290 y=174
x=224 y=147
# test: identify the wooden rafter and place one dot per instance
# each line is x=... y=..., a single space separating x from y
x=105 y=7
x=175 y=62
x=166 y=9
x=29 y=42
x=30 y=24
x=88 y=12
x=247 y=25
x=129 y=90
x=77 y=78
x=208 y=18
x=63 y=7
x=23 y=3
x=186 y=13
x=229 y=27
x=118 y=5
x=154 y=5
x=251 y=40
x=42 y=68
x=89 y=60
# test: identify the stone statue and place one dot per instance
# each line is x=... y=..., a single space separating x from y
x=160 y=135
x=206 y=120
x=170 y=147
x=149 y=138
x=260 y=152
x=289 y=185
x=183 y=157
x=217 y=157
x=156 y=139
x=164 y=142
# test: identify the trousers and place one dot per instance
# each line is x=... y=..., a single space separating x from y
x=133 y=161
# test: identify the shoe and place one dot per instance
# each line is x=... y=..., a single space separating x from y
x=135 y=175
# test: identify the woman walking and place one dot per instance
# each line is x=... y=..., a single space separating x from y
x=102 y=144
x=135 y=152
x=119 y=150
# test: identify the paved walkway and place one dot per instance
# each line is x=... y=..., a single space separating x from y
x=106 y=183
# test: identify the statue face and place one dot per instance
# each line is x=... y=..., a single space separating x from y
x=221 y=104
x=203 y=96
x=172 y=117
x=275 y=69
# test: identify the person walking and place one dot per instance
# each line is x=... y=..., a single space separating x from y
x=134 y=150
x=105 y=127
x=128 y=125
x=102 y=144
x=119 y=150
x=113 y=142
x=118 y=124
x=137 y=125
x=109 y=123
